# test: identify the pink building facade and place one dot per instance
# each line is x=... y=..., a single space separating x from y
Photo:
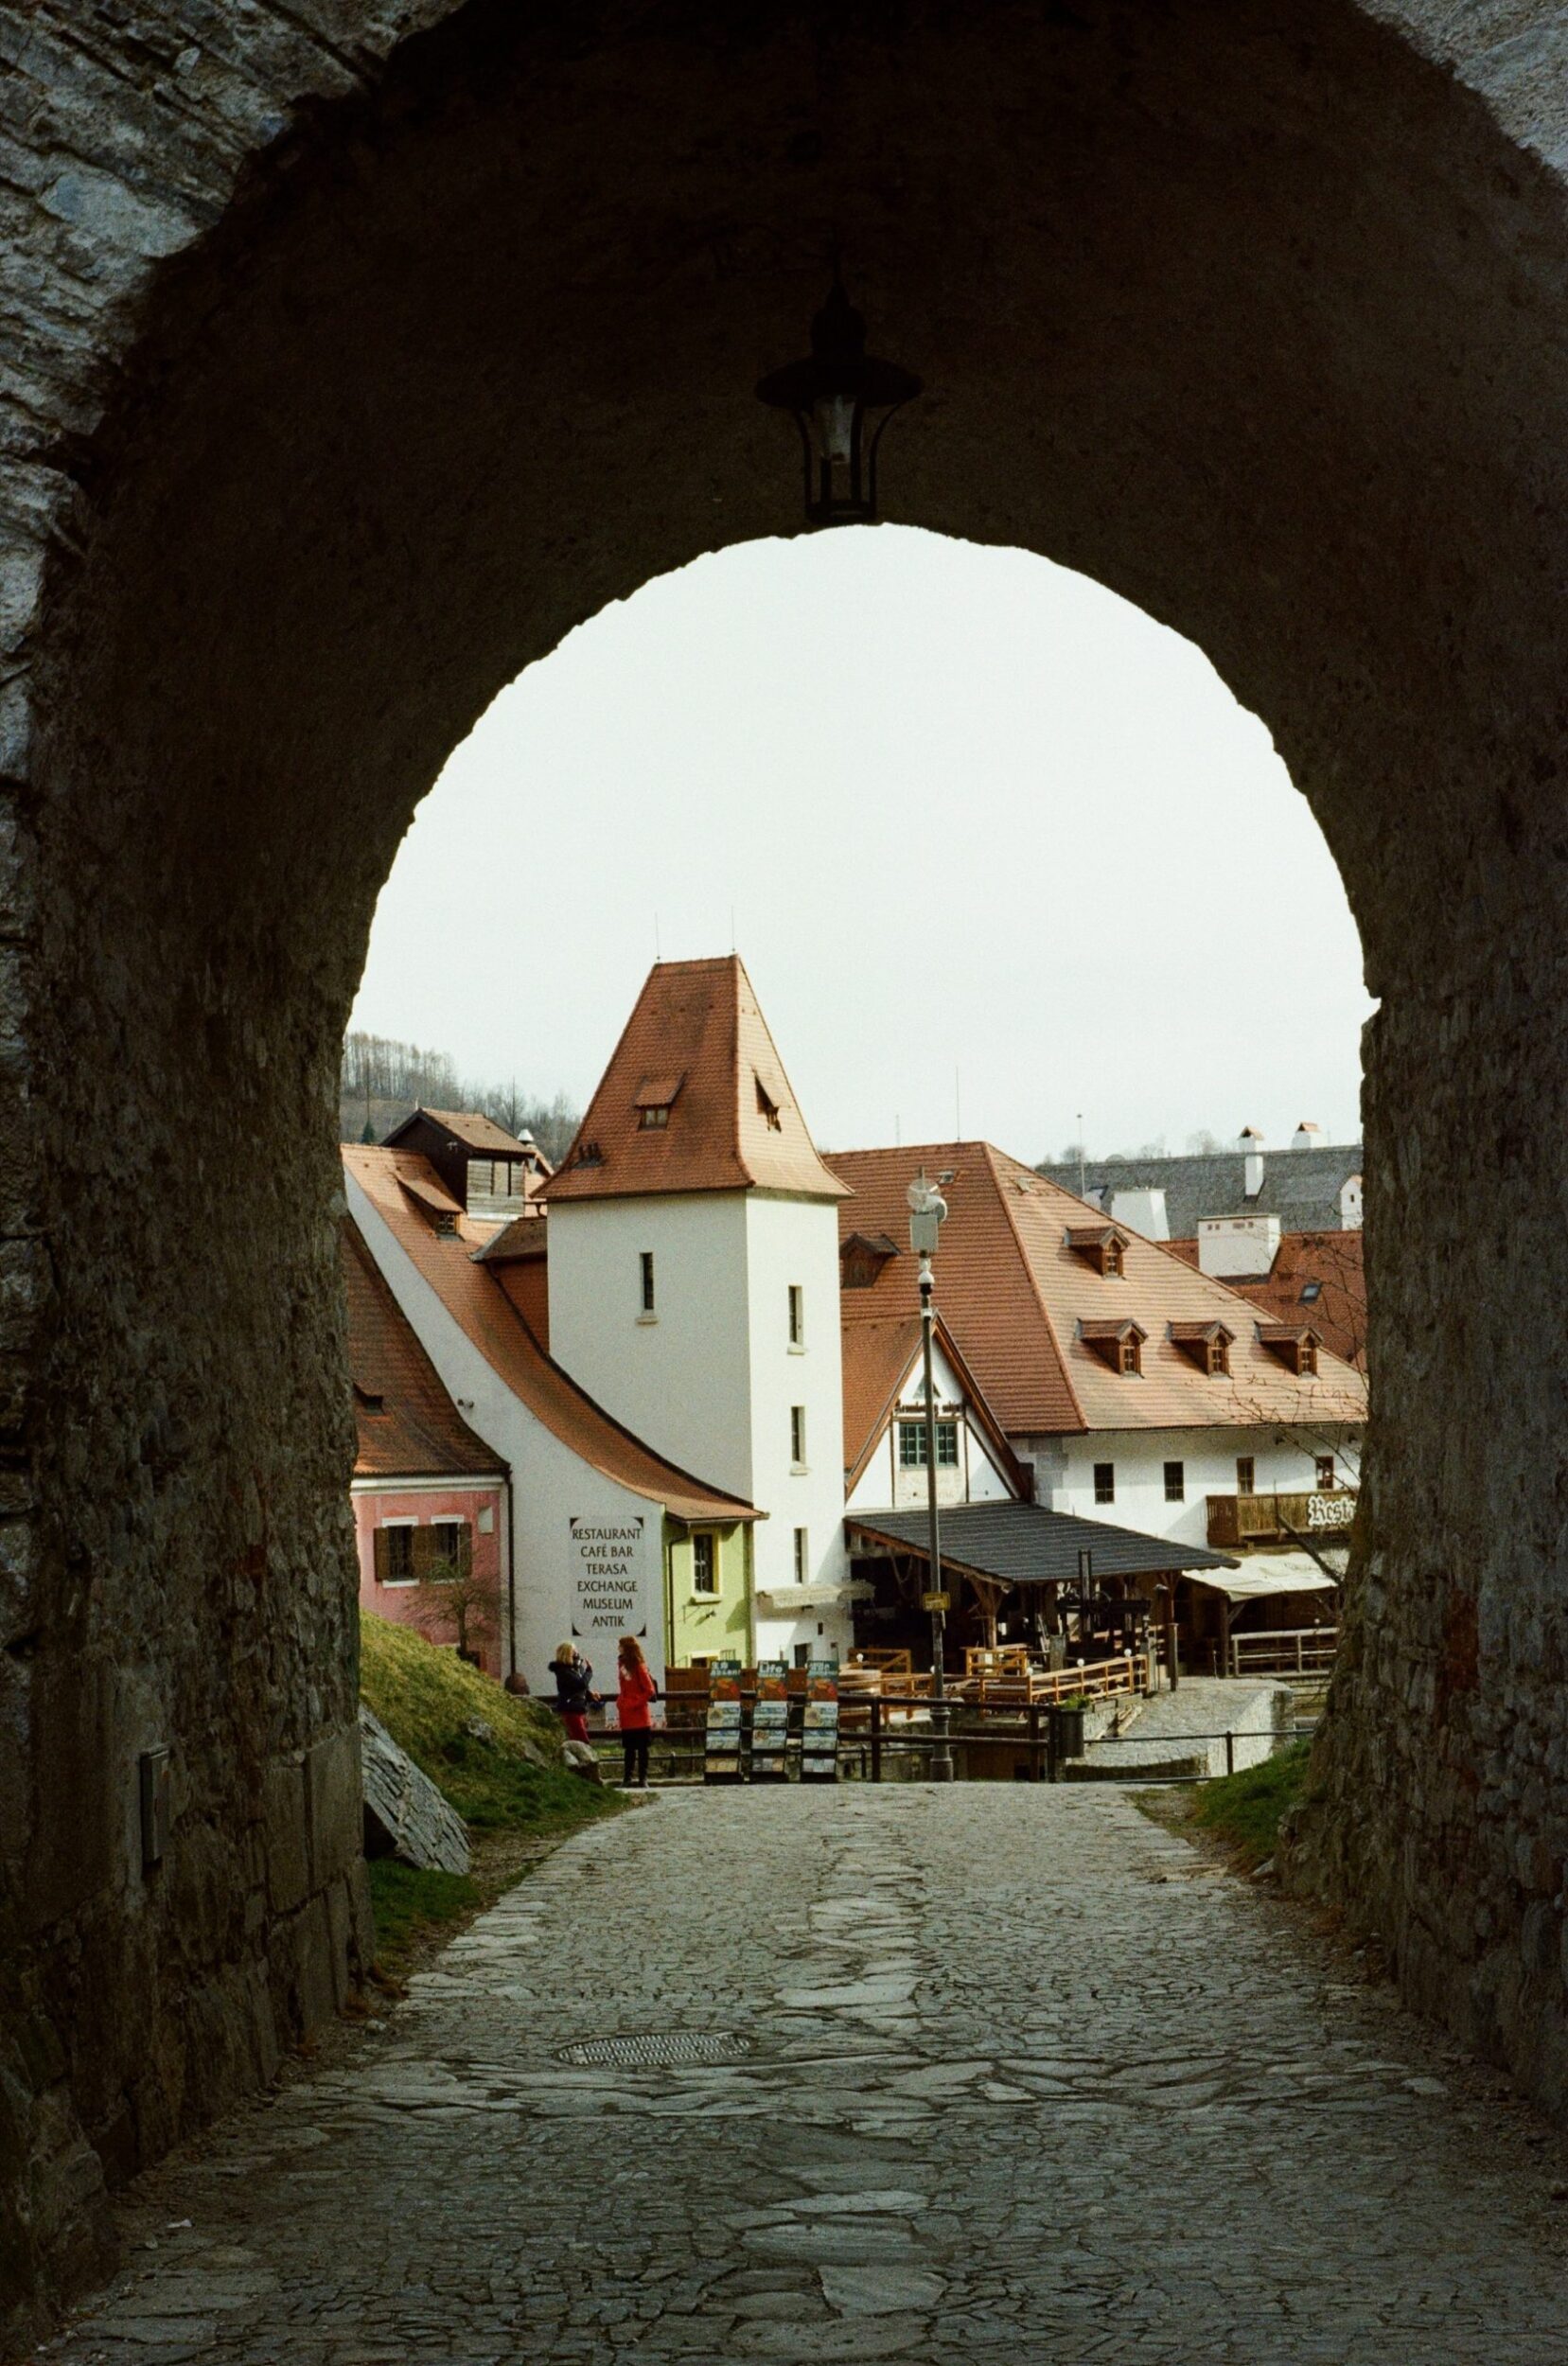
x=405 y=1526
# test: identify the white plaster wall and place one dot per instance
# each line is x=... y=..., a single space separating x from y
x=682 y=1382
x=1065 y=1471
x=550 y=1485
x=883 y=1485
x=796 y=1241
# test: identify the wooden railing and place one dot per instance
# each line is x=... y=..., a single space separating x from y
x=1245 y=1519
x=1284 y=1651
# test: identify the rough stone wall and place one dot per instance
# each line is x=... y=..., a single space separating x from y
x=351 y=364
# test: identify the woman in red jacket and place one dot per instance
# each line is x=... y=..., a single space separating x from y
x=636 y=1691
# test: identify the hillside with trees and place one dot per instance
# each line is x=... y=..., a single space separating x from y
x=383 y=1080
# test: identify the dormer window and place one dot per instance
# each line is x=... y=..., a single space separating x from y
x=1208 y=1345
x=591 y=1155
x=369 y=1400
x=656 y=1097
x=768 y=1109
x=1102 y=1246
x=1118 y=1344
x=862 y=1258
x=1295 y=1344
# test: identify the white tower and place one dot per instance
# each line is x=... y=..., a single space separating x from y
x=694 y=1281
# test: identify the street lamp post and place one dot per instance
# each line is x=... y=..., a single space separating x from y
x=927 y=1209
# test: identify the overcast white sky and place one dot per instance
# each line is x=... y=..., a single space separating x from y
x=970 y=812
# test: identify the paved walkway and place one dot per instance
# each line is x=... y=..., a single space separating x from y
x=1027 y=2080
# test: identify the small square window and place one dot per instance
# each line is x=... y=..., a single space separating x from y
x=803 y=1558
x=1175 y=1482
x=1310 y=1292
x=657 y=1118
x=704 y=1565
x=798 y=1436
x=1104 y=1482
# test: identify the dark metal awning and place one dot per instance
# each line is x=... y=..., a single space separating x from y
x=1010 y=1543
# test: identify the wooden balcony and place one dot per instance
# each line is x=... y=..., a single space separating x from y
x=1325 y=1512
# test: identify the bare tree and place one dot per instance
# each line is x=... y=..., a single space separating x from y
x=458 y=1606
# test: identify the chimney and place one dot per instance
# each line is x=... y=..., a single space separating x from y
x=1142 y=1211
x=1307 y=1136
x=1251 y=1145
x=1237 y=1249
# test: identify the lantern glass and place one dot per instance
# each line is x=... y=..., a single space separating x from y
x=832 y=395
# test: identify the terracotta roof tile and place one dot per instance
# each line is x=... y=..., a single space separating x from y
x=408 y=1426
x=1336 y=1263
x=1014 y=1294
x=696 y=1026
x=475 y=1300
x=984 y=1286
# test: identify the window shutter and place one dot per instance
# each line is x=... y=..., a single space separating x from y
x=383 y=1555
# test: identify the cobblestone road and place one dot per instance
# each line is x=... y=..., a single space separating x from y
x=1027 y=2080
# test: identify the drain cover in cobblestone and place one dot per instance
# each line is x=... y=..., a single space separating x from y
x=666 y=2045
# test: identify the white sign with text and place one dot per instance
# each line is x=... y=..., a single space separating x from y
x=614 y=1580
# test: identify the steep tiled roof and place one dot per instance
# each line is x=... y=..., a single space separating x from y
x=481 y=1135
x=1300 y=1186
x=1336 y=1262
x=697 y=1044
x=878 y=1359
x=408 y=1426
x=473 y=1297
x=1014 y=1294
x=524 y=1237
x=984 y=1285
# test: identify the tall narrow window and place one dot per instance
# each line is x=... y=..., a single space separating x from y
x=1245 y=1473
x=803 y=1558
x=1104 y=1482
x=1175 y=1482
x=1326 y=1474
x=947 y=1445
x=796 y=1315
x=704 y=1565
x=798 y=1436
x=646 y=1264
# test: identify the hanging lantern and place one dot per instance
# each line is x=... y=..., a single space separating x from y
x=842 y=398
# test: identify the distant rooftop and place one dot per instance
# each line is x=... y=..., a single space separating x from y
x=1301 y=1186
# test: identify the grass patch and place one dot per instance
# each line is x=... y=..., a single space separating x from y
x=1242 y=1811
x=413 y=1906
x=499 y=1761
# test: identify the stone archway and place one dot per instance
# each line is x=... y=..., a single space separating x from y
x=356 y=364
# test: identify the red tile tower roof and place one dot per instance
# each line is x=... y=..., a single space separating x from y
x=694 y=1099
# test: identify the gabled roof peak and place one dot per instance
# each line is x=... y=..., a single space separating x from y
x=694 y=1099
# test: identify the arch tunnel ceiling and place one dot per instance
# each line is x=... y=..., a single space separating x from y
x=1216 y=314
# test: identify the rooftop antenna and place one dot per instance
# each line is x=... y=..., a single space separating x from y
x=658 y=952
x=958 y=1110
x=1081 y=1154
x=898 y=1133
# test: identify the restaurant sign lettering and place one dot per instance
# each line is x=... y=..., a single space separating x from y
x=612 y=1578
